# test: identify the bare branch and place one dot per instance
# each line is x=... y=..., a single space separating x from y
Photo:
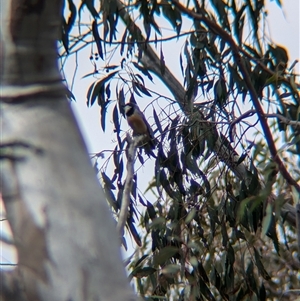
x=133 y=143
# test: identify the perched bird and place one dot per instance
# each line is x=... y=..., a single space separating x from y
x=137 y=121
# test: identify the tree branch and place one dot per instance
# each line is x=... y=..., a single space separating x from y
x=133 y=143
x=66 y=240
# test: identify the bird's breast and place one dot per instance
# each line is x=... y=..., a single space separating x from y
x=138 y=125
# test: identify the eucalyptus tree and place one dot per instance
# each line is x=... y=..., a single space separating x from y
x=221 y=223
x=62 y=229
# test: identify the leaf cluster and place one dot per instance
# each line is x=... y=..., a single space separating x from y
x=211 y=233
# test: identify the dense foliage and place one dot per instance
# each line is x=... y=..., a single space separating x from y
x=225 y=180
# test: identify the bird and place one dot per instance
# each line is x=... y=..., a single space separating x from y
x=137 y=121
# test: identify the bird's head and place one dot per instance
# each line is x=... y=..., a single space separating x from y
x=130 y=108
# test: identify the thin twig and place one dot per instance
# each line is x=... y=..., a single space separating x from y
x=252 y=112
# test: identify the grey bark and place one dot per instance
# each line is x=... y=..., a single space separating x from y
x=67 y=245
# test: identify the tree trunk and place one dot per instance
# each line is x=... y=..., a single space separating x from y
x=66 y=240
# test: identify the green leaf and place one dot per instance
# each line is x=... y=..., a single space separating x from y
x=89 y=92
x=172 y=15
x=142 y=88
x=141 y=259
x=108 y=181
x=164 y=254
x=171 y=269
x=97 y=38
x=143 y=70
x=220 y=92
x=157 y=122
x=222 y=12
x=250 y=277
x=262 y=293
x=121 y=101
x=238 y=24
x=123 y=43
x=202 y=273
x=134 y=233
x=90 y=5
x=116 y=119
x=101 y=99
x=151 y=211
x=103 y=111
x=260 y=266
x=267 y=220
x=72 y=17
x=97 y=88
x=141 y=272
x=158 y=223
x=205 y=291
x=190 y=216
x=110 y=197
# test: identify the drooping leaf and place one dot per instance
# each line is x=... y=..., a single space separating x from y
x=157 y=122
x=98 y=87
x=220 y=92
x=97 y=38
x=162 y=62
x=141 y=272
x=143 y=70
x=91 y=7
x=267 y=219
x=164 y=254
x=103 y=111
x=221 y=10
x=151 y=211
x=107 y=181
x=72 y=17
x=101 y=98
x=238 y=24
x=202 y=273
x=68 y=25
x=229 y=270
x=142 y=88
x=116 y=119
x=173 y=16
x=205 y=291
x=260 y=266
x=262 y=293
x=134 y=232
x=110 y=197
